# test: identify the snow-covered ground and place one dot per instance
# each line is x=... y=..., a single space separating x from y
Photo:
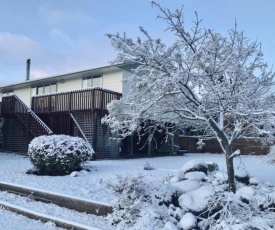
x=92 y=184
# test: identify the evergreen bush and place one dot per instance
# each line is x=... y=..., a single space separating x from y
x=58 y=154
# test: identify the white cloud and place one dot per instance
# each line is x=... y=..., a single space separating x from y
x=65 y=17
x=61 y=35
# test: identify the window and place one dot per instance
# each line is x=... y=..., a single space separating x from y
x=95 y=81
x=43 y=89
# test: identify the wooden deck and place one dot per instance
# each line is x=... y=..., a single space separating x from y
x=75 y=113
x=91 y=99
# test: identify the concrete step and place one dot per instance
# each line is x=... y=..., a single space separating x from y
x=64 y=211
x=81 y=205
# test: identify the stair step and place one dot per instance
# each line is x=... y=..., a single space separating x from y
x=77 y=204
x=69 y=222
x=62 y=217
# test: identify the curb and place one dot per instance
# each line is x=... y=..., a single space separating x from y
x=45 y=218
x=81 y=205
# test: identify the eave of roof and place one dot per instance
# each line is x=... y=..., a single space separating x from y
x=57 y=78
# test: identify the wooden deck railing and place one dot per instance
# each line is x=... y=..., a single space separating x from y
x=13 y=106
x=74 y=101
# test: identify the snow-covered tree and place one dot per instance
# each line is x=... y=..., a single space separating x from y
x=204 y=78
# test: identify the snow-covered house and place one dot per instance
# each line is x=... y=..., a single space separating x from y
x=71 y=104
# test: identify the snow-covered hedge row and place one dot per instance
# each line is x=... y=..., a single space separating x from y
x=59 y=154
x=202 y=202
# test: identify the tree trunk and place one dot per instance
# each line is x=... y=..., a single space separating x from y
x=224 y=143
x=230 y=169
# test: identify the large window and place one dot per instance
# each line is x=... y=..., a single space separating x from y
x=43 y=89
x=95 y=81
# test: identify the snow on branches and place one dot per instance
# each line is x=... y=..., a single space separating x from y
x=219 y=82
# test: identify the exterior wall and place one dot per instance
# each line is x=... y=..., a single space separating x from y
x=1 y=95
x=113 y=81
x=24 y=94
x=69 y=85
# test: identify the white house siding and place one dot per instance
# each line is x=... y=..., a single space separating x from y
x=113 y=81
x=69 y=85
x=1 y=95
x=24 y=94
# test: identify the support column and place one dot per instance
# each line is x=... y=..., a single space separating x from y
x=95 y=132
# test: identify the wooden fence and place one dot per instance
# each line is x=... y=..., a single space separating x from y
x=247 y=146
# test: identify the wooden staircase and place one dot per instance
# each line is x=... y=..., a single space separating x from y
x=21 y=124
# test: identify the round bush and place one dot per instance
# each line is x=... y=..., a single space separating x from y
x=59 y=154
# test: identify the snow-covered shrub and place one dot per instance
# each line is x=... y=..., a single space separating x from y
x=212 y=166
x=205 y=203
x=147 y=166
x=140 y=204
x=242 y=176
x=58 y=154
x=195 y=166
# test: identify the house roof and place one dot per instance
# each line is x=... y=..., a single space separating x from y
x=67 y=76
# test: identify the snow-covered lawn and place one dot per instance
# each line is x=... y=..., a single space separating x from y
x=91 y=184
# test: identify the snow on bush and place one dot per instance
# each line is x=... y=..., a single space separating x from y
x=140 y=204
x=147 y=166
x=201 y=202
x=195 y=165
x=58 y=154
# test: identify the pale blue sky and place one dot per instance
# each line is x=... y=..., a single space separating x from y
x=63 y=36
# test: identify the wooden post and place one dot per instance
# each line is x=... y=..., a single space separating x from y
x=95 y=132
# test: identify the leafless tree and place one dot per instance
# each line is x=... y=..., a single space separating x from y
x=204 y=78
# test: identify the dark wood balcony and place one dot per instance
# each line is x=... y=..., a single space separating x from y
x=91 y=99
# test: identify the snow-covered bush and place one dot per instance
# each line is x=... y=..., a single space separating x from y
x=147 y=166
x=140 y=204
x=202 y=202
x=58 y=154
x=206 y=203
x=194 y=166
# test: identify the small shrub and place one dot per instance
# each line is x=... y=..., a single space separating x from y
x=195 y=166
x=147 y=166
x=58 y=154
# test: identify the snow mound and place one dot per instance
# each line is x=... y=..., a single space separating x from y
x=246 y=193
x=188 y=221
x=195 y=165
x=254 y=181
x=196 y=200
x=221 y=176
x=241 y=173
x=186 y=186
x=198 y=176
